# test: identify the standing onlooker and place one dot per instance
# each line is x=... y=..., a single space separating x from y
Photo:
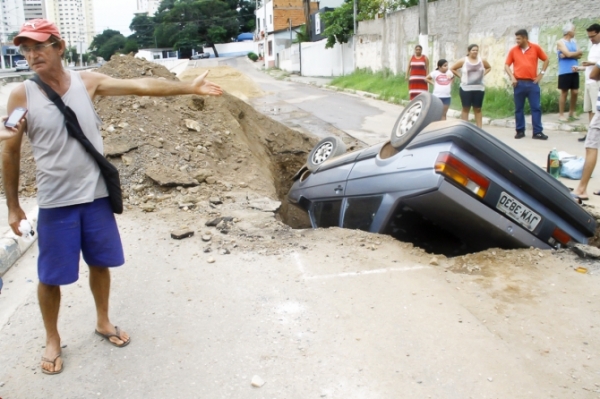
x=525 y=79
x=592 y=143
x=591 y=86
x=568 y=54
x=471 y=71
x=441 y=80
x=418 y=68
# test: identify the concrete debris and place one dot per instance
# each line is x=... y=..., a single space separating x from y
x=434 y=261
x=148 y=207
x=192 y=125
x=210 y=260
x=116 y=146
x=265 y=204
x=206 y=238
x=257 y=382
x=215 y=200
x=586 y=251
x=215 y=222
x=170 y=178
x=181 y=234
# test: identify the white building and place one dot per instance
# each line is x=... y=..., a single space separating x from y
x=34 y=9
x=12 y=16
x=75 y=20
x=147 y=7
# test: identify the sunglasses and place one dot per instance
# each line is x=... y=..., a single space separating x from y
x=24 y=50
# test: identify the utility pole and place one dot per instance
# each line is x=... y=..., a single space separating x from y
x=354 y=15
x=423 y=31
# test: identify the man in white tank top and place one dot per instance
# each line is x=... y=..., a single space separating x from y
x=70 y=186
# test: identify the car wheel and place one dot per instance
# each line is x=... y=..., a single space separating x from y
x=325 y=149
x=420 y=112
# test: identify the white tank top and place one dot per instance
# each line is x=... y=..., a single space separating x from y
x=472 y=75
x=66 y=173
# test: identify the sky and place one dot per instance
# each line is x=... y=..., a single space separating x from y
x=114 y=14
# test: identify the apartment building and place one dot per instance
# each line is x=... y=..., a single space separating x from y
x=12 y=16
x=34 y=9
x=147 y=7
x=75 y=20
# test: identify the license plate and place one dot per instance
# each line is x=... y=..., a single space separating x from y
x=518 y=212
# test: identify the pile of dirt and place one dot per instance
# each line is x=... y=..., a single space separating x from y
x=190 y=153
x=230 y=79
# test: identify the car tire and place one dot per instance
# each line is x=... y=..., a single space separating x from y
x=420 y=112
x=325 y=149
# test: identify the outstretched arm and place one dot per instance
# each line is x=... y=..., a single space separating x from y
x=103 y=85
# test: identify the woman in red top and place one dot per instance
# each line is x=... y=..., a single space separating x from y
x=418 y=69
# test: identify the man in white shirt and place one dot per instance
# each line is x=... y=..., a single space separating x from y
x=591 y=85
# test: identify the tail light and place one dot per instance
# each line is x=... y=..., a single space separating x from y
x=561 y=236
x=454 y=169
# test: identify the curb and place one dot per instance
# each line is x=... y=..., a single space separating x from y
x=12 y=246
x=452 y=113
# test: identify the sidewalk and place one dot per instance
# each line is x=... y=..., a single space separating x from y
x=11 y=245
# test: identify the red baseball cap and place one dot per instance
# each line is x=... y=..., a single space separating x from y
x=39 y=30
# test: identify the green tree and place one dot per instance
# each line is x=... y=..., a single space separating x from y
x=301 y=35
x=113 y=45
x=102 y=38
x=246 y=15
x=339 y=24
x=191 y=24
x=72 y=55
x=131 y=46
x=142 y=27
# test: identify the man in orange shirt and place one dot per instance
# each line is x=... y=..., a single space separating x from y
x=524 y=58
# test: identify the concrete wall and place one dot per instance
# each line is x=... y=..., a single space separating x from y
x=319 y=61
x=388 y=43
x=232 y=49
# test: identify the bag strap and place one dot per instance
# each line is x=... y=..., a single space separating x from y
x=73 y=126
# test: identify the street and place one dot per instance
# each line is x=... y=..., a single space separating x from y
x=314 y=313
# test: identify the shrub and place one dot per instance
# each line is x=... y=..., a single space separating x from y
x=252 y=56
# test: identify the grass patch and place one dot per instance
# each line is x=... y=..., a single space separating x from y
x=498 y=102
x=388 y=86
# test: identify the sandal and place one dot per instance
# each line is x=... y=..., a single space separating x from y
x=46 y=360
x=117 y=335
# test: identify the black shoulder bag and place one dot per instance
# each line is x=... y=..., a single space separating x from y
x=108 y=170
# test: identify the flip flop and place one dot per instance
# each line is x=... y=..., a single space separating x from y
x=596 y=192
x=577 y=198
x=117 y=335
x=45 y=359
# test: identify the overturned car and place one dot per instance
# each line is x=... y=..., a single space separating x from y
x=444 y=178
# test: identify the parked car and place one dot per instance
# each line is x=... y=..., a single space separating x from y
x=449 y=175
x=199 y=56
x=22 y=65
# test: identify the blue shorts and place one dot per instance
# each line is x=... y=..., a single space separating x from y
x=446 y=100
x=65 y=232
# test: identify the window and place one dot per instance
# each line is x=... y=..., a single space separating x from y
x=270 y=47
x=317 y=24
x=360 y=212
x=327 y=213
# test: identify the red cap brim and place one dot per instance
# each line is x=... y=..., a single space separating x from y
x=37 y=36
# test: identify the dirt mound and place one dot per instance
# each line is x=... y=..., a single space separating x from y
x=190 y=153
x=129 y=67
x=230 y=79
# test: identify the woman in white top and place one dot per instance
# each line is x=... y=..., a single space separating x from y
x=471 y=71
x=441 y=79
